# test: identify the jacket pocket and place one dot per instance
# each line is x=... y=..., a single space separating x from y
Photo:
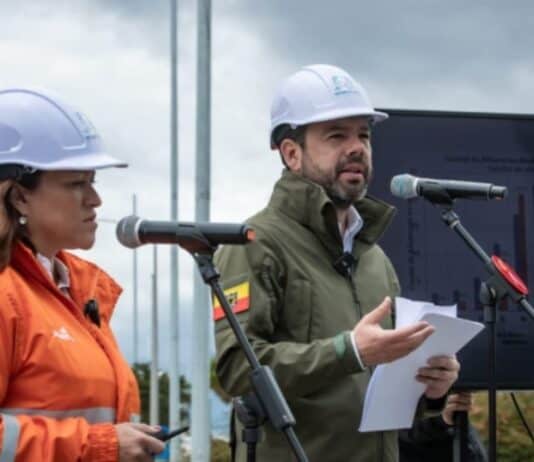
x=296 y=317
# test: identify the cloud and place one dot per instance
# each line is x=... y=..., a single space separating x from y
x=428 y=55
x=111 y=58
x=114 y=65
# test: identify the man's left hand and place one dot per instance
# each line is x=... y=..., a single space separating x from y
x=439 y=375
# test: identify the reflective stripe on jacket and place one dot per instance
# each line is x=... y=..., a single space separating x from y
x=63 y=380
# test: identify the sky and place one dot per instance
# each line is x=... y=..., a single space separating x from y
x=111 y=59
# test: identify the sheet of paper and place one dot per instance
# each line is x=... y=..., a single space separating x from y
x=410 y=311
x=393 y=393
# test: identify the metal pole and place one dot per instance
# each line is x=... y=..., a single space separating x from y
x=202 y=331
x=174 y=354
x=135 y=292
x=154 y=385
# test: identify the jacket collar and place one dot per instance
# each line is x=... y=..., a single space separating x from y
x=87 y=281
x=307 y=203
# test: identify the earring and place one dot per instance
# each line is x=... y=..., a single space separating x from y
x=23 y=220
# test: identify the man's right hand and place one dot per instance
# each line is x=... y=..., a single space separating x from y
x=377 y=345
x=136 y=444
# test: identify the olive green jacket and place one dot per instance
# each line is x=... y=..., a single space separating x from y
x=298 y=311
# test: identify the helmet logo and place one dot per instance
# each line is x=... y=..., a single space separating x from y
x=343 y=85
x=86 y=127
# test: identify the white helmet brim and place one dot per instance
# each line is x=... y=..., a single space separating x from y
x=374 y=116
x=95 y=161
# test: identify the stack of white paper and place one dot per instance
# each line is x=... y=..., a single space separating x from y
x=393 y=393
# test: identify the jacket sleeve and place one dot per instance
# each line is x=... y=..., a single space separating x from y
x=433 y=439
x=36 y=438
x=300 y=368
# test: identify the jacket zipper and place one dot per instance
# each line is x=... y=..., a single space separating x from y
x=380 y=435
x=354 y=295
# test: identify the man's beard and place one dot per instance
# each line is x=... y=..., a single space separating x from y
x=341 y=195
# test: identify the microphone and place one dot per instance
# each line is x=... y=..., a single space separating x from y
x=443 y=191
x=133 y=231
x=91 y=311
x=345 y=264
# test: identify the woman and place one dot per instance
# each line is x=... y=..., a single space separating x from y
x=66 y=392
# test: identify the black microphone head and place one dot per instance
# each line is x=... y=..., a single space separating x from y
x=127 y=231
x=498 y=192
x=404 y=186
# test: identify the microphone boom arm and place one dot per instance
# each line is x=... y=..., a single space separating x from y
x=491 y=291
x=452 y=220
x=262 y=379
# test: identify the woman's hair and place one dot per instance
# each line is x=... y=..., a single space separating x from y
x=14 y=230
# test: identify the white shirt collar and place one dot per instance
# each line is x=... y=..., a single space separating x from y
x=354 y=226
x=55 y=267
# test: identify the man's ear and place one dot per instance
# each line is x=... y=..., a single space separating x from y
x=292 y=153
x=18 y=199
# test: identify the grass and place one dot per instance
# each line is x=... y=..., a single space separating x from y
x=513 y=441
x=220 y=452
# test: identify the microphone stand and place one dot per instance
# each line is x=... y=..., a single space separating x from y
x=492 y=291
x=270 y=402
x=461 y=433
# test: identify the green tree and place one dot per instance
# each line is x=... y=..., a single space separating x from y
x=142 y=374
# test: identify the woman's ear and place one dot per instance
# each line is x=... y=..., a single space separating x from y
x=5 y=186
x=291 y=151
x=17 y=197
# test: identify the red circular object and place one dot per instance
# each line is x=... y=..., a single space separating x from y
x=510 y=275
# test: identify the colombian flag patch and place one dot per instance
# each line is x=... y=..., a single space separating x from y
x=238 y=298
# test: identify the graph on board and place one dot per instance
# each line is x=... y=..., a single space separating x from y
x=433 y=263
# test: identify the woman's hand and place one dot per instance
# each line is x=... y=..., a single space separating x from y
x=136 y=444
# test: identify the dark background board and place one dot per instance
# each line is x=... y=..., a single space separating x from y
x=432 y=261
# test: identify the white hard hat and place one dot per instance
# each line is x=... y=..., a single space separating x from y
x=38 y=130
x=318 y=93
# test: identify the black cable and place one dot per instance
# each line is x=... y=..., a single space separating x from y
x=521 y=416
x=165 y=436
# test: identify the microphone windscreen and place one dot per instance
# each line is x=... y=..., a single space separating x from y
x=127 y=231
x=404 y=186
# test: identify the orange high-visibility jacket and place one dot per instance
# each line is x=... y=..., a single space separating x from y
x=63 y=380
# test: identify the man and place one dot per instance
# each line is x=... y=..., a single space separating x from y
x=314 y=291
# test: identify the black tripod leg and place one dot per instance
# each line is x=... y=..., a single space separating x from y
x=489 y=302
x=233 y=437
x=461 y=435
x=249 y=412
x=251 y=444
